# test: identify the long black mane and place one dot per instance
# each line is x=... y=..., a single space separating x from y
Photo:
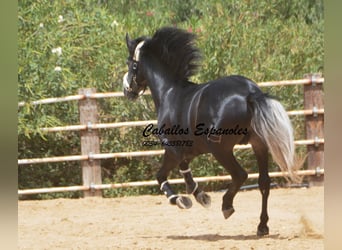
x=177 y=51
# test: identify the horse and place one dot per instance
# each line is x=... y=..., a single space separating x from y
x=211 y=117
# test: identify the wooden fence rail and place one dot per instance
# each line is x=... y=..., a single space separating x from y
x=313 y=111
x=92 y=188
x=89 y=127
x=92 y=156
x=316 y=79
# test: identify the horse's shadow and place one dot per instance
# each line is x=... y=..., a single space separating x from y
x=218 y=237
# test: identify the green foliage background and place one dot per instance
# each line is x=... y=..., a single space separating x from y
x=263 y=40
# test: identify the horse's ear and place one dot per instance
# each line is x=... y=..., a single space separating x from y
x=129 y=42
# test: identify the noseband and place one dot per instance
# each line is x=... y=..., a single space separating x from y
x=136 y=58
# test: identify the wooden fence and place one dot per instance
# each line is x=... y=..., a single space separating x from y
x=90 y=147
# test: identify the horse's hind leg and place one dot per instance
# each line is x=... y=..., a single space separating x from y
x=239 y=175
x=192 y=186
x=169 y=162
x=261 y=153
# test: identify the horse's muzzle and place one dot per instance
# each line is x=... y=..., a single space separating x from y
x=125 y=82
x=128 y=91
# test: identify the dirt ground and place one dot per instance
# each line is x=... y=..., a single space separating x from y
x=149 y=222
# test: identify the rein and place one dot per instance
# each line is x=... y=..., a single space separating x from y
x=136 y=58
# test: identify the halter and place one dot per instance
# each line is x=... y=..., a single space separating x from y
x=136 y=58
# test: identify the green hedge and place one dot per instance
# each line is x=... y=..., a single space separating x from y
x=67 y=45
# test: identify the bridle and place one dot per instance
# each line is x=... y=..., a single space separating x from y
x=129 y=86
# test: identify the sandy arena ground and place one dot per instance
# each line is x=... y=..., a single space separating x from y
x=149 y=222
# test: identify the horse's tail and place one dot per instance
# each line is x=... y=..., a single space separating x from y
x=271 y=122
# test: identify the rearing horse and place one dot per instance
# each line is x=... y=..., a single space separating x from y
x=210 y=117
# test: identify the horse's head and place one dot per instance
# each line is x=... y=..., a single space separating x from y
x=134 y=83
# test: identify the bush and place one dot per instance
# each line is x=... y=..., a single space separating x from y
x=67 y=45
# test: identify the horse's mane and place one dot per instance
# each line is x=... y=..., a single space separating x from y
x=177 y=51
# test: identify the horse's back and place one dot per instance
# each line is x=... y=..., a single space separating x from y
x=228 y=97
x=234 y=85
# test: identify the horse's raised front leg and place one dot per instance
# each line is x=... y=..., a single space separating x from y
x=192 y=185
x=169 y=162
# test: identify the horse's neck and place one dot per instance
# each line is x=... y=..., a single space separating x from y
x=159 y=83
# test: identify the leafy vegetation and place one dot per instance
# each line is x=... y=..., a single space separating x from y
x=66 y=45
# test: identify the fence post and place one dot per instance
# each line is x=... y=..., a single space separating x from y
x=314 y=126
x=90 y=142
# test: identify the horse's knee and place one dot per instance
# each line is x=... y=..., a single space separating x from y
x=161 y=177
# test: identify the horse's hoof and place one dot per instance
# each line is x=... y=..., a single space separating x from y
x=262 y=231
x=183 y=202
x=228 y=212
x=203 y=199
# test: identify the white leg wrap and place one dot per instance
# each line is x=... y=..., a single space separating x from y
x=193 y=191
x=185 y=171
x=172 y=196
x=162 y=185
